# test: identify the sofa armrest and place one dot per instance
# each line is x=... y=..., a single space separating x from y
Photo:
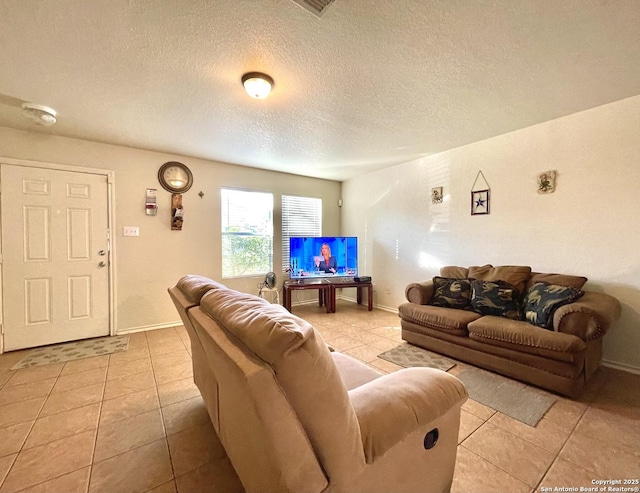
x=419 y=292
x=391 y=407
x=589 y=317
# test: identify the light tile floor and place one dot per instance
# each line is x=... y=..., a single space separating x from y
x=135 y=422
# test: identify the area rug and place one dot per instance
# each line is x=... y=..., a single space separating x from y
x=73 y=350
x=510 y=397
x=408 y=355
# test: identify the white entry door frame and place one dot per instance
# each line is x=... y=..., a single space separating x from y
x=110 y=258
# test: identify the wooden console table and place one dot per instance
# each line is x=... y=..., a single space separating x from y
x=352 y=284
x=327 y=292
x=326 y=295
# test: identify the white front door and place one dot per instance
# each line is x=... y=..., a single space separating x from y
x=55 y=256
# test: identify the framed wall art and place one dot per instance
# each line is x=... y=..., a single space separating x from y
x=480 y=202
x=436 y=195
x=547 y=182
x=480 y=195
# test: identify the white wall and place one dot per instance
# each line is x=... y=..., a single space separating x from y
x=590 y=226
x=149 y=264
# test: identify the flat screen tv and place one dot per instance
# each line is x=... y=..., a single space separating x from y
x=325 y=256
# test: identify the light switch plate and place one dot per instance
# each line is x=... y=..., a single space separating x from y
x=130 y=231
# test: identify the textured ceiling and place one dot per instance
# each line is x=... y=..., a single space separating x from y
x=368 y=85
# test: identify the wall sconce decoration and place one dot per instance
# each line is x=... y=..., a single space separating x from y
x=151 y=204
x=177 y=211
x=436 y=195
x=547 y=182
x=480 y=197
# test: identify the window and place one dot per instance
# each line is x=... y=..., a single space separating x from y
x=301 y=216
x=247 y=233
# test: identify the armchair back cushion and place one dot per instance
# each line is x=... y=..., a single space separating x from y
x=254 y=416
x=305 y=372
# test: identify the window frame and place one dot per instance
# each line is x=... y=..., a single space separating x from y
x=243 y=230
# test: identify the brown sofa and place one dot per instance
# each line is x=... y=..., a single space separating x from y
x=295 y=417
x=561 y=359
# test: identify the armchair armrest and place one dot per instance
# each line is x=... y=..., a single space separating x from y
x=391 y=407
x=589 y=317
x=419 y=292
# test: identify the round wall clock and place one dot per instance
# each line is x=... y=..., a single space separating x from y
x=175 y=177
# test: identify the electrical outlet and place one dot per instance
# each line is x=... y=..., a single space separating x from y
x=130 y=231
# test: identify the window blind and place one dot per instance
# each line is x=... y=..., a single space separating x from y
x=301 y=216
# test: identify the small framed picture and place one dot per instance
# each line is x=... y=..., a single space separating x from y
x=436 y=195
x=547 y=182
x=480 y=202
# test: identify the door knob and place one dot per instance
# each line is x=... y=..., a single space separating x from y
x=102 y=252
x=102 y=264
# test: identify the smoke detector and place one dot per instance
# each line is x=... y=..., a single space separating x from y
x=40 y=115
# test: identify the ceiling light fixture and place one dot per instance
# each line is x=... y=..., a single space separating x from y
x=257 y=85
x=40 y=115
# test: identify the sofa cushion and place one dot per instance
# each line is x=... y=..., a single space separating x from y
x=518 y=275
x=446 y=320
x=451 y=293
x=575 y=282
x=523 y=337
x=454 y=271
x=498 y=298
x=543 y=299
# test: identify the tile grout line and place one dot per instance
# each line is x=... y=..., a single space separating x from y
x=31 y=430
x=162 y=417
x=495 y=465
x=95 y=438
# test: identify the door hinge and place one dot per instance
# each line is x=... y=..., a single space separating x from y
x=2 y=329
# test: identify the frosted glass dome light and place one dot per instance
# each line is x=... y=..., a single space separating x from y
x=257 y=85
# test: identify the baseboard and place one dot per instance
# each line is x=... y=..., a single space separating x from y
x=379 y=307
x=304 y=302
x=620 y=366
x=143 y=328
x=389 y=309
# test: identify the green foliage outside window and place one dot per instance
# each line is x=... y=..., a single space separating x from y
x=247 y=233
x=246 y=254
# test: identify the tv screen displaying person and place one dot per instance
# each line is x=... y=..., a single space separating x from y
x=325 y=262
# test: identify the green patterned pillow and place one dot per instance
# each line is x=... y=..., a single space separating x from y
x=451 y=293
x=543 y=299
x=497 y=298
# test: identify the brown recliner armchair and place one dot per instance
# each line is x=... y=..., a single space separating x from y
x=295 y=417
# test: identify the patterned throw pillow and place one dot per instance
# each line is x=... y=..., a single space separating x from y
x=451 y=293
x=543 y=299
x=497 y=298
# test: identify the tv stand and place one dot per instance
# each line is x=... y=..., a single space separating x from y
x=327 y=291
x=353 y=284
x=325 y=295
